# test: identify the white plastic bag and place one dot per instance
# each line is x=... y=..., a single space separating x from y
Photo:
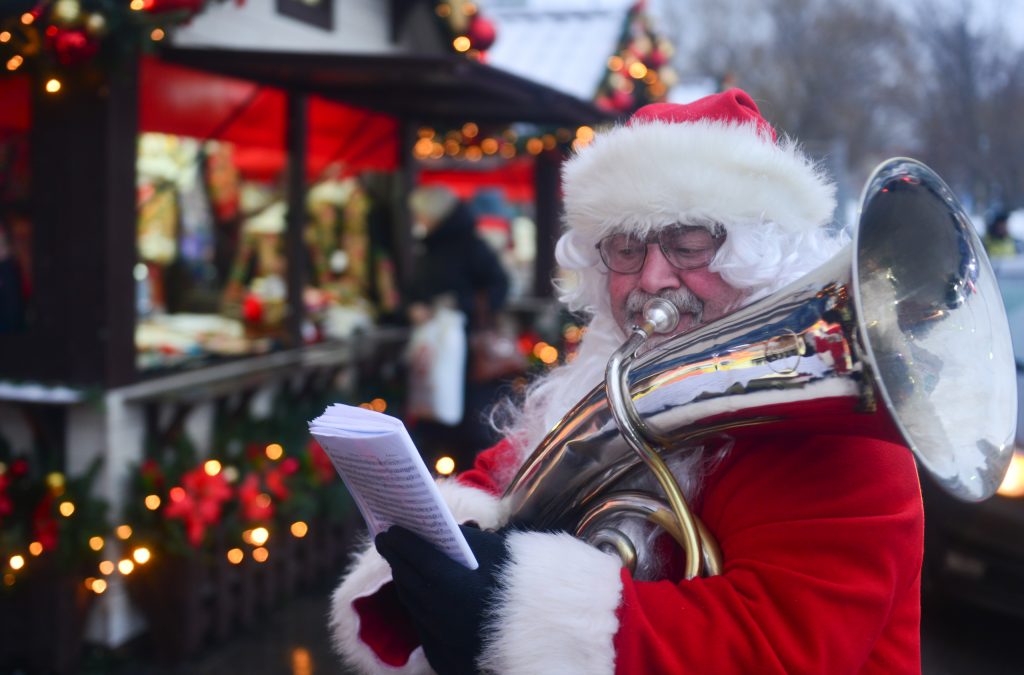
x=437 y=367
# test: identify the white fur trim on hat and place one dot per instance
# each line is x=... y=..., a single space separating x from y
x=555 y=611
x=368 y=572
x=653 y=173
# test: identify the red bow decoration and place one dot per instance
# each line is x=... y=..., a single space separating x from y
x=197 y=502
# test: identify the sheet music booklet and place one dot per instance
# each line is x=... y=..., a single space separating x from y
x=383 y=470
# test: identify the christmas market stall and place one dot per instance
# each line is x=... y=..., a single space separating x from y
x=201 y=244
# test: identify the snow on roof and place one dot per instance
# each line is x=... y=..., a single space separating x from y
x=564 y=44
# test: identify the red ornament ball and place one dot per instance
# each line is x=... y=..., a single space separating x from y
x=481 y=33
x=72 y=47
x=252 y=308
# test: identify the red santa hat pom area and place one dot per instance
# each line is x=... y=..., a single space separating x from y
x=713 y=160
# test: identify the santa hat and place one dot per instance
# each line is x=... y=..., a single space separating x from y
x=715 y=160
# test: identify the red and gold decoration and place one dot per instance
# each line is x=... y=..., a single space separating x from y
x=52 y=37
x=471 y=32
x=639 y=72
x=474 y=143
x=46 y=520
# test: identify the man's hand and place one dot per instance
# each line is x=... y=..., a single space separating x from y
x=445 y=600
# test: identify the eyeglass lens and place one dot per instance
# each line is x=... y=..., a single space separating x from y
x=684 y=248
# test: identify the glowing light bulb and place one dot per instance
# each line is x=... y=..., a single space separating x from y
x=259 y=536
x=123 y=531
x=445 y=466
x=141 y=555
x=235 y=556
x=106 y=567
x=99 y=586
x=35 y=548
x=299 y=529
x=53 y=85
x=274 y=451
x=462 y=44
x=260 y=554
x=96 y=543
x=66 y=509
x=211 y=467
x=152 y=502
x=16 y=562
x=125 y=567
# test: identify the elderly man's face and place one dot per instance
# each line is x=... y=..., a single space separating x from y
x=699 y=294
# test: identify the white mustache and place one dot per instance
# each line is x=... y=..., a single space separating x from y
x=683 y=298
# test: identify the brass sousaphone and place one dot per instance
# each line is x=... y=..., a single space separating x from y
x=901 y=336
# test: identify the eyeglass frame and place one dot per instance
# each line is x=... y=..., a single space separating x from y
x=717 y=232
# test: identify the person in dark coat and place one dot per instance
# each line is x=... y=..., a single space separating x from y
x=454 y=265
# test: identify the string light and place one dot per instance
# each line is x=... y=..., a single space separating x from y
x=443 y=10
x=445 y=466
x=259 y=536
x=615 y=63
x=274 y=451
x=549 y=141
x=15 y=62
x=5 y=36
x=66 y=509
x=212 y=467
x=260 y=554
x=16 y=562
x=106 y=567
x=123 y=531
x=53 y=85
x=474 y=153
x=422 y=148
x=263 y=500
x=469 y=9
x=489 y=146
x=425 y=132
x=55 y=481
x=138 y=5
x=462 y=44
x=96 y=543
x=152 y=502
x=141 y=555
x=534 y=146
x=125 y=567
x=299 y=529
x=379 y=404
x=470 y=130
x=235 y=556
x=508 y=150
x=157 y=34
x=27 y=18
x=585 y=134
x=637 y=70
x=99 y=586
x=35 y=548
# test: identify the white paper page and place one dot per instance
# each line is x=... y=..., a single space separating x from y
x=386 y=476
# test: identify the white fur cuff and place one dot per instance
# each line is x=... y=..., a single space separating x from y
x=556 y=609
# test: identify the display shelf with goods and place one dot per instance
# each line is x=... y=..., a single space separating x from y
x=214 y=267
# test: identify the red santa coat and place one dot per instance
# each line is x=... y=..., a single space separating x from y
x=822 y=539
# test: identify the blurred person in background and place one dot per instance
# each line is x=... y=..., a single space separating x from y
x=454 y=266
x=821 y=535
x=997 y=239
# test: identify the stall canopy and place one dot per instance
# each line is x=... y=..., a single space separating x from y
x=434 y=88
x=188 y=102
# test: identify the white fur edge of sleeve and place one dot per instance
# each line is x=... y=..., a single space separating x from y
x=556 y=609
x=368 y=571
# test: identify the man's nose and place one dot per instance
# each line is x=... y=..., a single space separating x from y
x=658 y=274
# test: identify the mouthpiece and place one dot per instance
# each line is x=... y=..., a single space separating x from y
x=661 y=314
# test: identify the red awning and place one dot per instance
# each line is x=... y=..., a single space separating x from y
x=514 y=178
x=186 y=102
x=15 y=104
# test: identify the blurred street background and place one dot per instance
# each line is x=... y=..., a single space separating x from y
x=217 y=217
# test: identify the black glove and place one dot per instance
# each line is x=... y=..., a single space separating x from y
x=445 y=601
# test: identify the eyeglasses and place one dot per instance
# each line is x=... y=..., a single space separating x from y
x=686 y=247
